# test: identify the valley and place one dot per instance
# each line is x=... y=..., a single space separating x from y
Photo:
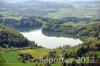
x=31 y=30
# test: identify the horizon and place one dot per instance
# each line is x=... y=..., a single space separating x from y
x=18 y=1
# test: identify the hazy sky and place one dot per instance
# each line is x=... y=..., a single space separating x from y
x=14 y=1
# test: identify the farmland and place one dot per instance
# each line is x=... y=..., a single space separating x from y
x=10 y=58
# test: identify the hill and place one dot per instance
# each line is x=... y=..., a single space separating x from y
x=20 y=22
x=10 y=38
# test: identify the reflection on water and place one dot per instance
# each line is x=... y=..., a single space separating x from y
x=25 y=29
x=58 y=34
x=49 y=40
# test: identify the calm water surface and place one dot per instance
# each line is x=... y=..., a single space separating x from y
x=50 y=41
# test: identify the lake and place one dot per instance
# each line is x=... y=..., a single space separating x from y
x=50 y=41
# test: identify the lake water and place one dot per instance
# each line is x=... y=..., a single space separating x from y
x=50 y=41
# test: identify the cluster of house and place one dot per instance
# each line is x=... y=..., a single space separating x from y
x=25 y=57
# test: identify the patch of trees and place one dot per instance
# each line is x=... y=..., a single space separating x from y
x=70 y=19
x=90 y=45
x=75 y=19
x=24 y=22
x=25 y=56
x=10 y=38
x=30 y=22
x=69 y=29
x=89 y=30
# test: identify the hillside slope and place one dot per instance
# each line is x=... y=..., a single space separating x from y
x=9 y=37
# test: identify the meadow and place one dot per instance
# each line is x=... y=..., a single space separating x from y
x=10 y=58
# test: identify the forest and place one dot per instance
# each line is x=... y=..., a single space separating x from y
x=10 y=38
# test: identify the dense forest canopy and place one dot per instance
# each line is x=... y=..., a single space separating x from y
x=10 y=38
x=89 y=30
x=22 y=23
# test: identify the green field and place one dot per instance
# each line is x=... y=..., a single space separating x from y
x=73 y=12
x=10 y=58
x=36 y=53
x=12 y=17
x=2 y=60
x=78 y=10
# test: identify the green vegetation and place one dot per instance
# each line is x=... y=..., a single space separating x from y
x=72 y=13
x=12 y=56
x=89 y=33
x=10 y=38
x=12 y=17
x=91 y=44
x=2 y=60
x=78 y=10
x=80 y=29
x=76 y=18
x=20 y=22
x=36 y=53
x=97 y=52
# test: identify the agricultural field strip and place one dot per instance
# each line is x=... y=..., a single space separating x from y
x=4 y=57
